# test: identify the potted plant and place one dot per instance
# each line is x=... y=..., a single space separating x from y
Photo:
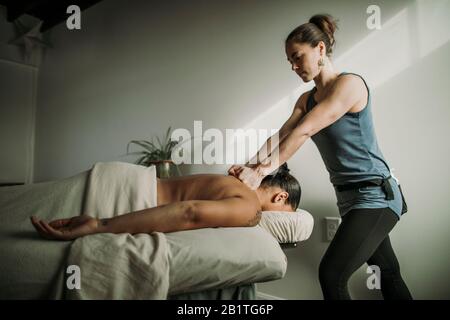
x=158 y=155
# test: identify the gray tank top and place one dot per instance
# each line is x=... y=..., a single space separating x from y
x=349 y=146
x=350 y=152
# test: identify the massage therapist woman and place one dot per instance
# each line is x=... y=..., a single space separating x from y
x=336 y=114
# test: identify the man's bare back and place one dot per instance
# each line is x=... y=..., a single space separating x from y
x=203 y=187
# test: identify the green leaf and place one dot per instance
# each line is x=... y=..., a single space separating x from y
x=152 y=151
x=137 y=152
x=154 y=147
x=167 y=135
x=141 y=159
x=159 y=142
x=144 y=144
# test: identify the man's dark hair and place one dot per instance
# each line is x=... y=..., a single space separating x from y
x=287 y=182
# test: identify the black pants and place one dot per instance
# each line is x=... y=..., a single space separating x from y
x=363 y=236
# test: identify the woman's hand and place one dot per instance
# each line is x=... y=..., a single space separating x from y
x=251 y=176
x=66 y=229
x=235 y=170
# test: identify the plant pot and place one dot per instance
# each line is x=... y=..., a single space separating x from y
x=163 y=168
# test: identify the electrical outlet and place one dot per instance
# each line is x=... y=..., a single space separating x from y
x=331 y=226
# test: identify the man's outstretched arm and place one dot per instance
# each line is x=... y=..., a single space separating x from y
x=178 y=216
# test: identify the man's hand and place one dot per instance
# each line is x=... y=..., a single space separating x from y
x=66 y=229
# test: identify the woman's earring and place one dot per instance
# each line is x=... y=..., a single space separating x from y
x=321 y=63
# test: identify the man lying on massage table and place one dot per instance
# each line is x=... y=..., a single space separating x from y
x=191 y=202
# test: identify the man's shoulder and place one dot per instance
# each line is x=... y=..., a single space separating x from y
x=247 y=195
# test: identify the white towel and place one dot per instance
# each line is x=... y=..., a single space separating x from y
x=120 y=266
x=288 y=227
x=116 y=188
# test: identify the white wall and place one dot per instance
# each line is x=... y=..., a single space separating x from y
x=133 y=71
x=18 y=82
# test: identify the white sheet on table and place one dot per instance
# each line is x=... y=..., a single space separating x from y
x=120 y=266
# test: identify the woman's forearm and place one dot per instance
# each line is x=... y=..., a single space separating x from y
x=168 y=218
x=268 y=147
x=284 y=151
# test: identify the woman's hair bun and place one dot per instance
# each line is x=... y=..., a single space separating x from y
x=327 y=24
x=283 y=169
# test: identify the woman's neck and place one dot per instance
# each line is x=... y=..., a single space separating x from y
x=326 y=77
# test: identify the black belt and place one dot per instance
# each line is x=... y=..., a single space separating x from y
x=384 y=183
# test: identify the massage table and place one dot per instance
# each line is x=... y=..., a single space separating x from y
x=209 y=263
